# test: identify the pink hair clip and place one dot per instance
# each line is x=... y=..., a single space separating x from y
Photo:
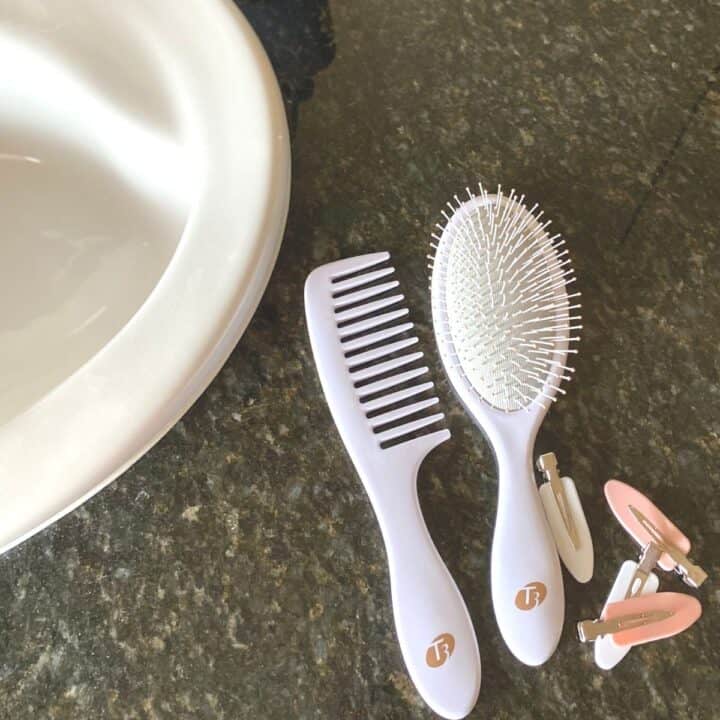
x=633 y=614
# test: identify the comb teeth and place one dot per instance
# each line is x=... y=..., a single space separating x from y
x=360 y=295
x=382 y=351
x=367 y=308
x=396 y=397
x=374 y=338
x=401 y=412
x=391 y=382
x=385 y=367
x=341 y=286
x=384 y=373
x=363 y=325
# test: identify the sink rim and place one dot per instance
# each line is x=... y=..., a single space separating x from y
x=123 y=386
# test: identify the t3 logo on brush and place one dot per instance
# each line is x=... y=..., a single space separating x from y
x=530 y=596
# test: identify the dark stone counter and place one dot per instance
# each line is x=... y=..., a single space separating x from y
x=237 y=571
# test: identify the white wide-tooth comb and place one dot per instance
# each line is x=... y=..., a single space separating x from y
x=377 y=394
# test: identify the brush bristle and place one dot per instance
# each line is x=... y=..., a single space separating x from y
x=503 y=298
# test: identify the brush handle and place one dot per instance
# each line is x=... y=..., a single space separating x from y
x=527 y=588
x=434 y=629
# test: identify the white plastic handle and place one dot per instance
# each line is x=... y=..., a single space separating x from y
x=527 y=588
x=434 y=629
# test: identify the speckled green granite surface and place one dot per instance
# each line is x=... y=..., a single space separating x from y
x=237 y=571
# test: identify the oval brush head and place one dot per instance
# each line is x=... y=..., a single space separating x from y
x=509 y=316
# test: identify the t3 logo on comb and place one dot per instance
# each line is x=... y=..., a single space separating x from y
x=440 y=650
x=530 y=596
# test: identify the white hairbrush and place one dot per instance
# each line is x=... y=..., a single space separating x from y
x=503 y=320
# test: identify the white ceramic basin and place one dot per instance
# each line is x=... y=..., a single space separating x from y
x=144 y=184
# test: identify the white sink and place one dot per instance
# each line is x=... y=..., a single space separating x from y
x=144 y=184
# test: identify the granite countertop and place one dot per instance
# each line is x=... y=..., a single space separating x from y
x=237 y=571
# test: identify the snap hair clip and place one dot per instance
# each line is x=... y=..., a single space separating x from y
x=642 y=619
x=566 y=517
x=662 y=545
